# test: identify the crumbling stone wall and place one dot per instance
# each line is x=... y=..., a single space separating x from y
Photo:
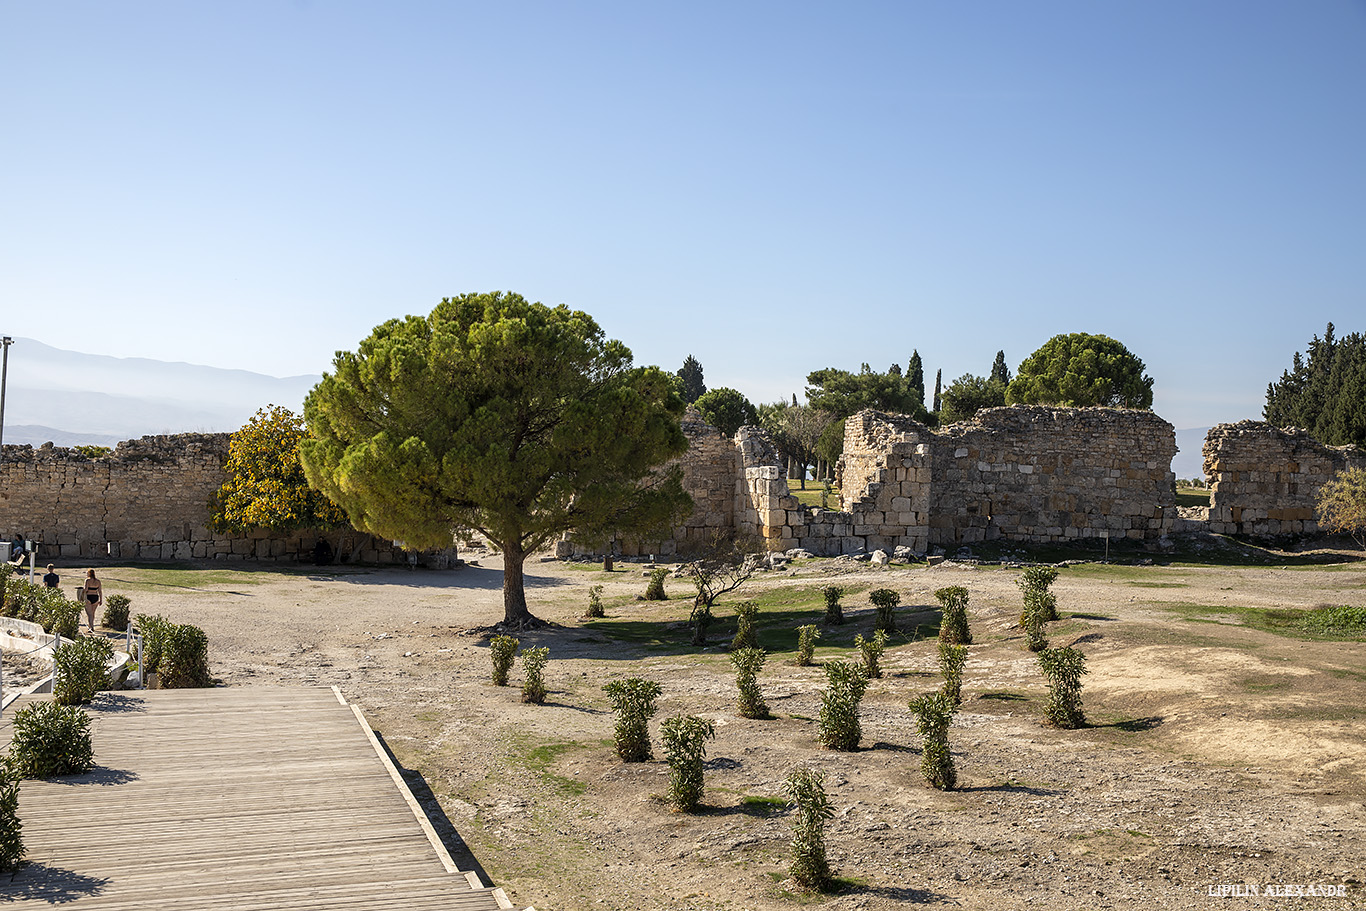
x=1265 y=481
x=1022 y=473
x=147 y=500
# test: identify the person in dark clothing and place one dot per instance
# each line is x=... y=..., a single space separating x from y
x=50 y=579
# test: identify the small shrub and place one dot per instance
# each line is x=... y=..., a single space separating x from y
x=1064 y=668
x=1034 y=583
x=1335 y=621
x=633 y=699
x=23 y=600
x=11 y=829
x=184 y=657
x=50 y=740
x=933 y=715
x=80 y=670
x=1035 y=615
x=809 y=867
x=839 y=721
x=655 y=590
x=503 y=651
x=58 y=615
x=834 y=614
x=871 y=650
x=115 y=615
x=533 y=667
x=595 y=602
x=700 y=620
x=685 y=746
x=806 y=644
x=953 y=619
x=951 y=661
x=748 y=662
x=885 y=600
x=745 y=634
x=153 y=628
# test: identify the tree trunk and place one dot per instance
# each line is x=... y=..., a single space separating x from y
x=515 y=612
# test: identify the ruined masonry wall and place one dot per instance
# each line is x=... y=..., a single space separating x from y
x=147 y=500
x=1265 y=481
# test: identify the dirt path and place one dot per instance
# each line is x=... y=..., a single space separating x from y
x=1219 y=754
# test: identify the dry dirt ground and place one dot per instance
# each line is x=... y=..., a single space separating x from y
x=1219 y=754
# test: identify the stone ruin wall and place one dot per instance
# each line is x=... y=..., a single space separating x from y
x=1022 y=473
x=146 y=500
x=1038 y=474
x=1264 y=481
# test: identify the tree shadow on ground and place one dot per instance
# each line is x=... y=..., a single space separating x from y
x=904 y=894
x=468 y=577
x=47 y=884
x=1010 y=787
x=99 y=775
x=117 y=704
x=1133 y=725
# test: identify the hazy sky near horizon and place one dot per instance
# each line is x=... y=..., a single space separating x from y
x=771 y=187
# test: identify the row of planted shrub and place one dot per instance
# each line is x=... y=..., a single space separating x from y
x=633 y=699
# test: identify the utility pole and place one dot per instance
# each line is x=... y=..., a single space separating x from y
x=4 y=377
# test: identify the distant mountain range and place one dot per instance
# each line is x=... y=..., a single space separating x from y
x=71 y=399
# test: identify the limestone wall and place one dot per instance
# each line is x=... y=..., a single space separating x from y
x=1265 y=481
x=1035 y=473
x=147 y=500
x=1023 y=473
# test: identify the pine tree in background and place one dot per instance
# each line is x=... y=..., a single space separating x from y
x=999 y=371
x=1325 y=394
x=691 y=375
x=915 y=375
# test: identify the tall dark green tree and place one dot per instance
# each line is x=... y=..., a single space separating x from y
x=691 y=375
x=516 y=419
x=915 y=376
x=999 y=371
x=1081 y=370
x=938 y=388
x=1326 y=394
x=842 y=393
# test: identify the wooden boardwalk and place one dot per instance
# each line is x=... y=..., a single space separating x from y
x=232 y=798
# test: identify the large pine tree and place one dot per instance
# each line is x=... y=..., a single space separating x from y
x=1326 y=393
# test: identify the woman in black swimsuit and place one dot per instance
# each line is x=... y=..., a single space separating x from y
x=94 y=597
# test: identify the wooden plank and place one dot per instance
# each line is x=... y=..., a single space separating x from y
x=241 y=798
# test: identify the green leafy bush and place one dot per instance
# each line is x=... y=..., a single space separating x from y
x=951 y=661
x=503 y=651
x=685 y=746
x=806 y=644
x=11 y=829
x=1033 y=619
x=933 y=715
x=533 y=667
x=50 y=740
x=184 y=657
x=23 y=599
x=153 y=628
x=834 y=614
x=633 y=699
x=58 y=615
x=953 y=620
x=839 y=721
x=809 y=867
x=1034 y=583
x=1335 y=621
x=655 y=590
x=115 y=613
x=1064 y=668
x=748 y=662
x=871 y=650
x=80 y=670
x=700 y=619
x=595 y=602
x=746 y=636
x=885 y=600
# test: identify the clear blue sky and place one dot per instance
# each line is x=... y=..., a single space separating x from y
x=771 y=187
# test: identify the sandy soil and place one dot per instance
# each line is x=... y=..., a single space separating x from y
x=1218 y=754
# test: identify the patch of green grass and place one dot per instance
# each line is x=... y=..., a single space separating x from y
x=186 y=576
x=812 y=495
x=537 y=757
x=1004 y=696
x=1320 y=623
x=764 y=807
x=1192 y=496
